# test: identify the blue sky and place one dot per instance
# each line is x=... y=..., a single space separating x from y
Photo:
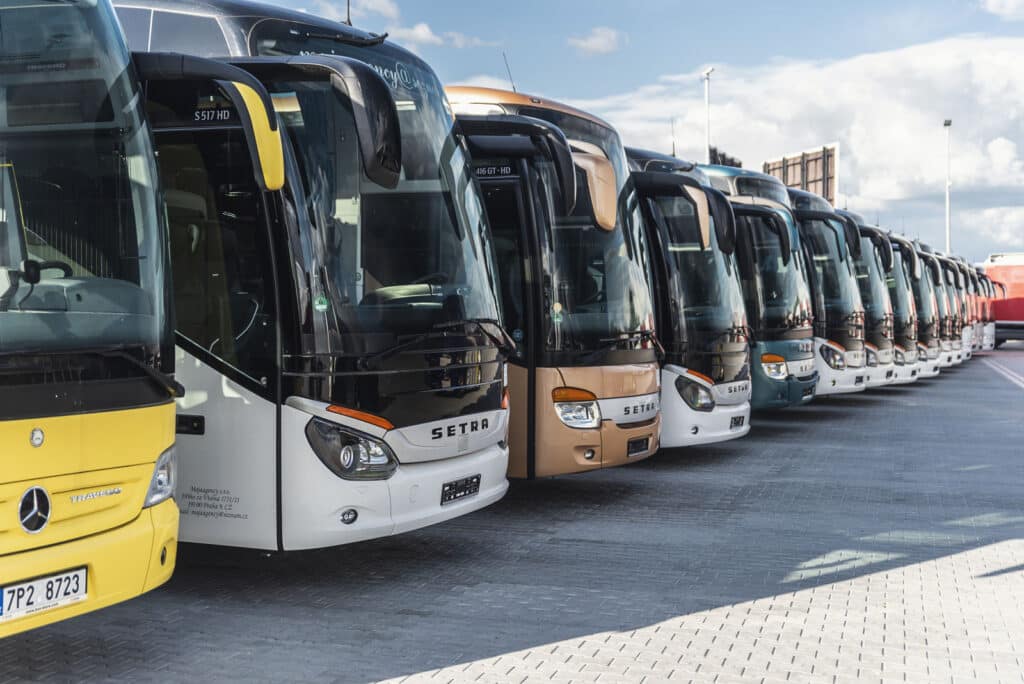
x=878 y=77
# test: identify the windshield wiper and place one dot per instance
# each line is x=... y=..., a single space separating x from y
x=173 y=387
x=370 y=361
x=505 y=344
x=610 y=344
x=347 y=40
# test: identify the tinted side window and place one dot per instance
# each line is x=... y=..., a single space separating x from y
x=135 y=23
x=192 y=35
x=220 y=251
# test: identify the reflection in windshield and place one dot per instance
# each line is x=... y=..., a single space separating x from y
x=871 y=280
x=395 y=262
x=785 y=301
x=925 y=301
x=833 y=270
x=599 y=280
x=900 y=291
x=77 y=188
x=709 y=283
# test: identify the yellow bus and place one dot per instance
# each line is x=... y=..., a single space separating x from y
x=87 y=414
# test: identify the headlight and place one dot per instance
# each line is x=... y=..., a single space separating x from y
x=899 y=357
x=872 y=358
x=694 y=394
x=836 y=360
x=577 y=408
x=922 y=352
x=165 y=477
x=774 y=366
x=349 y=454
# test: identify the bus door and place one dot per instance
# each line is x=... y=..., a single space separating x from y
x=221 y=168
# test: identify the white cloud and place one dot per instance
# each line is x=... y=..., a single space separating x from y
x=416 y=36
x=461 y=40
x=1004 y=226
x=601 y=40
x=1010 y=10
x=886 y=110
x=361 y=9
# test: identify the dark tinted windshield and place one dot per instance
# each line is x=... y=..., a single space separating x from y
x=77 y=186
x=395 y=261
x=924 y=297
x=901 y=291
x=599 y=279
x=872 y=283
x=833 y=269
x=778 y=291
x=707 y=277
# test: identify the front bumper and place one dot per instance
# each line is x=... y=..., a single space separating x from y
x=880 y=375
x=906 y=374
x=930 y=368
x=314 y=499
x=122 y=563
x=775 y=394
x=681 y=426
x=832 y=381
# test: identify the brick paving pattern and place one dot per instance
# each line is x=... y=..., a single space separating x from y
x=868 y=538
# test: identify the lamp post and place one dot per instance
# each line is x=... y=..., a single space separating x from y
x=707 y=109
x=947 y=124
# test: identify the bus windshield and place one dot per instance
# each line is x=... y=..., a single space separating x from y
x=82 y=254
x=925 y=299
x=707 y=277
x=785 y=300
x=901 y=290
x=872 y=283
x=833 y=270
x=599 y=279
x=389 y=262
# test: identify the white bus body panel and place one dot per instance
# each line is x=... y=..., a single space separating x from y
x=988 y=337
x=907 y=373
x=832 y=381
x=947 y=356
x=227 y=477
x=882 y=374
x=314 y=498
x=967 y=342
x=681 y=426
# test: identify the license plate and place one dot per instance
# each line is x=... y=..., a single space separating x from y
x=459 y=489
x=638 y=446
x=45 y=593
x=736 y=422
x=859 y=380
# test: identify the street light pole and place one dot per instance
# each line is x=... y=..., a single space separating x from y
x=948 y=124
x=707 y=109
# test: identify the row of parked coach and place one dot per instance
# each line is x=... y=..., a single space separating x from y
x=266 y=283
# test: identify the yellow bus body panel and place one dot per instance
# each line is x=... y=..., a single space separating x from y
x=127 y=550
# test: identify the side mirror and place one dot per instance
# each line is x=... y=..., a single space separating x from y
x=660 y=184
x=781 y=229
x=376 y=117
x=725 y=220
x=600 y=179
x=373 y=106
x=881 y=243
x=248 y=96
x=852 y=233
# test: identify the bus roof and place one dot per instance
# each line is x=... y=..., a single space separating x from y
x=478 y=95
x=247 y=8
x=1005 y=259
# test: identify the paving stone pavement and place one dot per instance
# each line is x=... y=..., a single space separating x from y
x=877 y=537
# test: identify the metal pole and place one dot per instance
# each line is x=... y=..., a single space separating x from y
x=707 y=109
x=948 y=124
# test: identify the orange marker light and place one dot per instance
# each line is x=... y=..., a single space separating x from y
x=772 y=358
x=363 y=416
x=701 y=376
x=567 y=394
